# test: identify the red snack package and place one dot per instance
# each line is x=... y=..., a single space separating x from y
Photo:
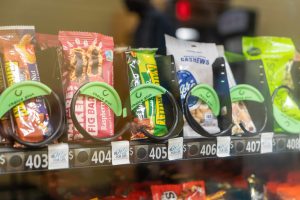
x=166 y=192
x=88 y=57
x=194 y=190
x=19 y=64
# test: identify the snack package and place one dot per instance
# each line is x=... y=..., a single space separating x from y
x=150 y=114
x=239 y=110
x=88 y=57
x=193 y=63
x=4 y=121
x=277 y=54
x=19 y=64
x=194 y=190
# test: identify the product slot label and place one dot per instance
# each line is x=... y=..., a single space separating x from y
x=208 y=149
x=175 y=148
x=120 y=152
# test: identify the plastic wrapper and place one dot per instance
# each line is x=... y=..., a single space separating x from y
x=4 y=121
x=19 y=64
x=194 y=190
x=239 y=110
x=150 y=114
x=88 y=57
x=193 y=63
x=277 y=55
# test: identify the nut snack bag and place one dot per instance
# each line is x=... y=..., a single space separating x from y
x=150 y=114
x=239 y=110
x=19 y=64
x=193 y=63
x=88 y=57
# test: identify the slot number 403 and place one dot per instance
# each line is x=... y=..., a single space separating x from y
x=37 y=161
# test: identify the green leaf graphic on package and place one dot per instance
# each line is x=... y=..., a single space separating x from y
x=21 y=92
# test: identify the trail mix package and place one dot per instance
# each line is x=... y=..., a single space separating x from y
x=194 y=190
x=193 y=63
x=88 y=57
x=150 y=114
x=239 y=110
x=19 y=64
x=277 y=55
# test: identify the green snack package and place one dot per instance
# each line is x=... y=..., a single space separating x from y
x=277 y=54
x=150 y=114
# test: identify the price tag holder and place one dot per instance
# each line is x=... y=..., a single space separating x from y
x=175 y=148
x=58 y=156
x=223 y=146
x=120 y=152
x=266 y=140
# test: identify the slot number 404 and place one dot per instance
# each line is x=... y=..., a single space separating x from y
x=101 y=156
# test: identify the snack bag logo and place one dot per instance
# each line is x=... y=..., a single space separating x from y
x=186 y=82
x=169 y=195
x=254 y=51
x=195 y=59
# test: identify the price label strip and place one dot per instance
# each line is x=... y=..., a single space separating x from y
x=120 y=152
x=223 y=146
x=58 y=156
x=175 y=148
x=266 y=140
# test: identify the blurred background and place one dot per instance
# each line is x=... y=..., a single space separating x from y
x=220 y=21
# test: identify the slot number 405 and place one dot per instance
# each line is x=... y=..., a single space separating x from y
x=158 y=153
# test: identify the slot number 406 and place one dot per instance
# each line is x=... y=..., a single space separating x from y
x=208 y=150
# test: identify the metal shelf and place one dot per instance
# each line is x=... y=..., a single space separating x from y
x=85 y=156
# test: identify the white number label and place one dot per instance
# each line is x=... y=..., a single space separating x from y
x=37 y=161
x=208 y=150
x=157 y=153
x=253 y=146
x=293 y=144
x=101 y=156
